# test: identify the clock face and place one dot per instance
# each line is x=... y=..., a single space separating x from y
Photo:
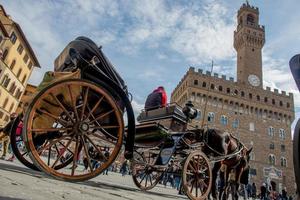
x=253 y=80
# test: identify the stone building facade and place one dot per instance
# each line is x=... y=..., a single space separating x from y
x=16 y=65
x=260 y=118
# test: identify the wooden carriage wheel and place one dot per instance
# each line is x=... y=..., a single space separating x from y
x=145 y=176
x=197 y=176
x=74 y=119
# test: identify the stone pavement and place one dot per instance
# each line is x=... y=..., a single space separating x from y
x=19 y=183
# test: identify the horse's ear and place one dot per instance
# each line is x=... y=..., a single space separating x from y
x=249 y=151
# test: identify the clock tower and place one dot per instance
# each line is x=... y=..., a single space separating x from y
x=249 y=39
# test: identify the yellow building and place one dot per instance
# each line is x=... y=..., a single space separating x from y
x=30 y=91
x=16 y=65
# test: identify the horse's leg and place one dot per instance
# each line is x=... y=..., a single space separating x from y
x=215 y=171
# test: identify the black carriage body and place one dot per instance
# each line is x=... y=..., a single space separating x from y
x=102 y=73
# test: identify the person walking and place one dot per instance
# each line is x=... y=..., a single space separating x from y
x=263 y=192
x=4 y=137
x=124 y=168
x=253 y=192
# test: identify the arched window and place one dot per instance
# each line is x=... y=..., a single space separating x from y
x=24 y=78
x=5 y=102
x=204 y=84
x=250 y=19
x=258 y=98
x=224 y=120
x=283 y=162
x=242 y=93
x=272 y=145
x=211 y=117
x=11 y=107
x=212 y=86
x=220 y=88
x=4 y=55
x=282 y=133
x=252 y=156
x=272 y=159
x=228 y=90
x=12 y=88
x=4 y=79
x=271 y=131
x=12 y=65
x=198 y=115
x=19 y=72
x=235 y=123
x=195 y=82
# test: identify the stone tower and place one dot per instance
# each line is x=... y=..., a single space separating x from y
x=249 y=38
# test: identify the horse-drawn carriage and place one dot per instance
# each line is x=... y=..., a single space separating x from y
x=78 y=116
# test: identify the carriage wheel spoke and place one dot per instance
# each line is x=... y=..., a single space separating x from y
x=62 y=107
x=91 y=141
x=63 y=151
x=95 y=107
x=192 y=182
x=196 y=182
x=49 y=129
x=190 y=165
x=84 y=102
x=102 y=115
x=61 y=121
x=150 y=178
x=86 y=153
x=49 y=154
x=73 y=103
x=102 y=138
x=75 y=155
x=104 y=127
x=67 y=148
x=40 y=151
x=143 y=178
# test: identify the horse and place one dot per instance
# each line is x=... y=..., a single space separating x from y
x=235 y=156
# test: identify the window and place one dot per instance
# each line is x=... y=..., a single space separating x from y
x=24 y=78
x=5 y=103
x=288 y=105
x=204 y=84
x=5 y=81
x=195 y=82
x=282 y=148
x=235 y=123
x=250 y=19
x=228 y=90
x=198 y=115
x=242 y=93
x=272 y=145
x=282 y=134
x=251 y=126
x=224 y=120
x=211 y=117
x=280 y=103
x=272 y=159
x=4 y=55
x=12 y=88
x=6 y=118
x=220 y=88
x=258 y=98
x=252 y=156
x=20 y=49
x=30 y=65
x=283 y=162
x=212 y=86
x=250 y=96
x=266 y=99
x=13 y=37
x=19 y=73
x=12 y=65
x=271 y=131
x=236 y=92
x=273 y=101
x=11 y=107
x=25 y=59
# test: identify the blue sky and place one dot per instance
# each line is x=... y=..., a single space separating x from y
x=153 y=43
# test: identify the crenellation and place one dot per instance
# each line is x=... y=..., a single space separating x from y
x=276 y=91
x=224 y=77
x=231 y=79
x=200 y=71
x=208 y=73
x=216 y=75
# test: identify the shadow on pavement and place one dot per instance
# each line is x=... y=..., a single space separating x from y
x=21 y=170
x=8 y=198
x=112 y=187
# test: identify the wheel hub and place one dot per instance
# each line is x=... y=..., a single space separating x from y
x=84 y=127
